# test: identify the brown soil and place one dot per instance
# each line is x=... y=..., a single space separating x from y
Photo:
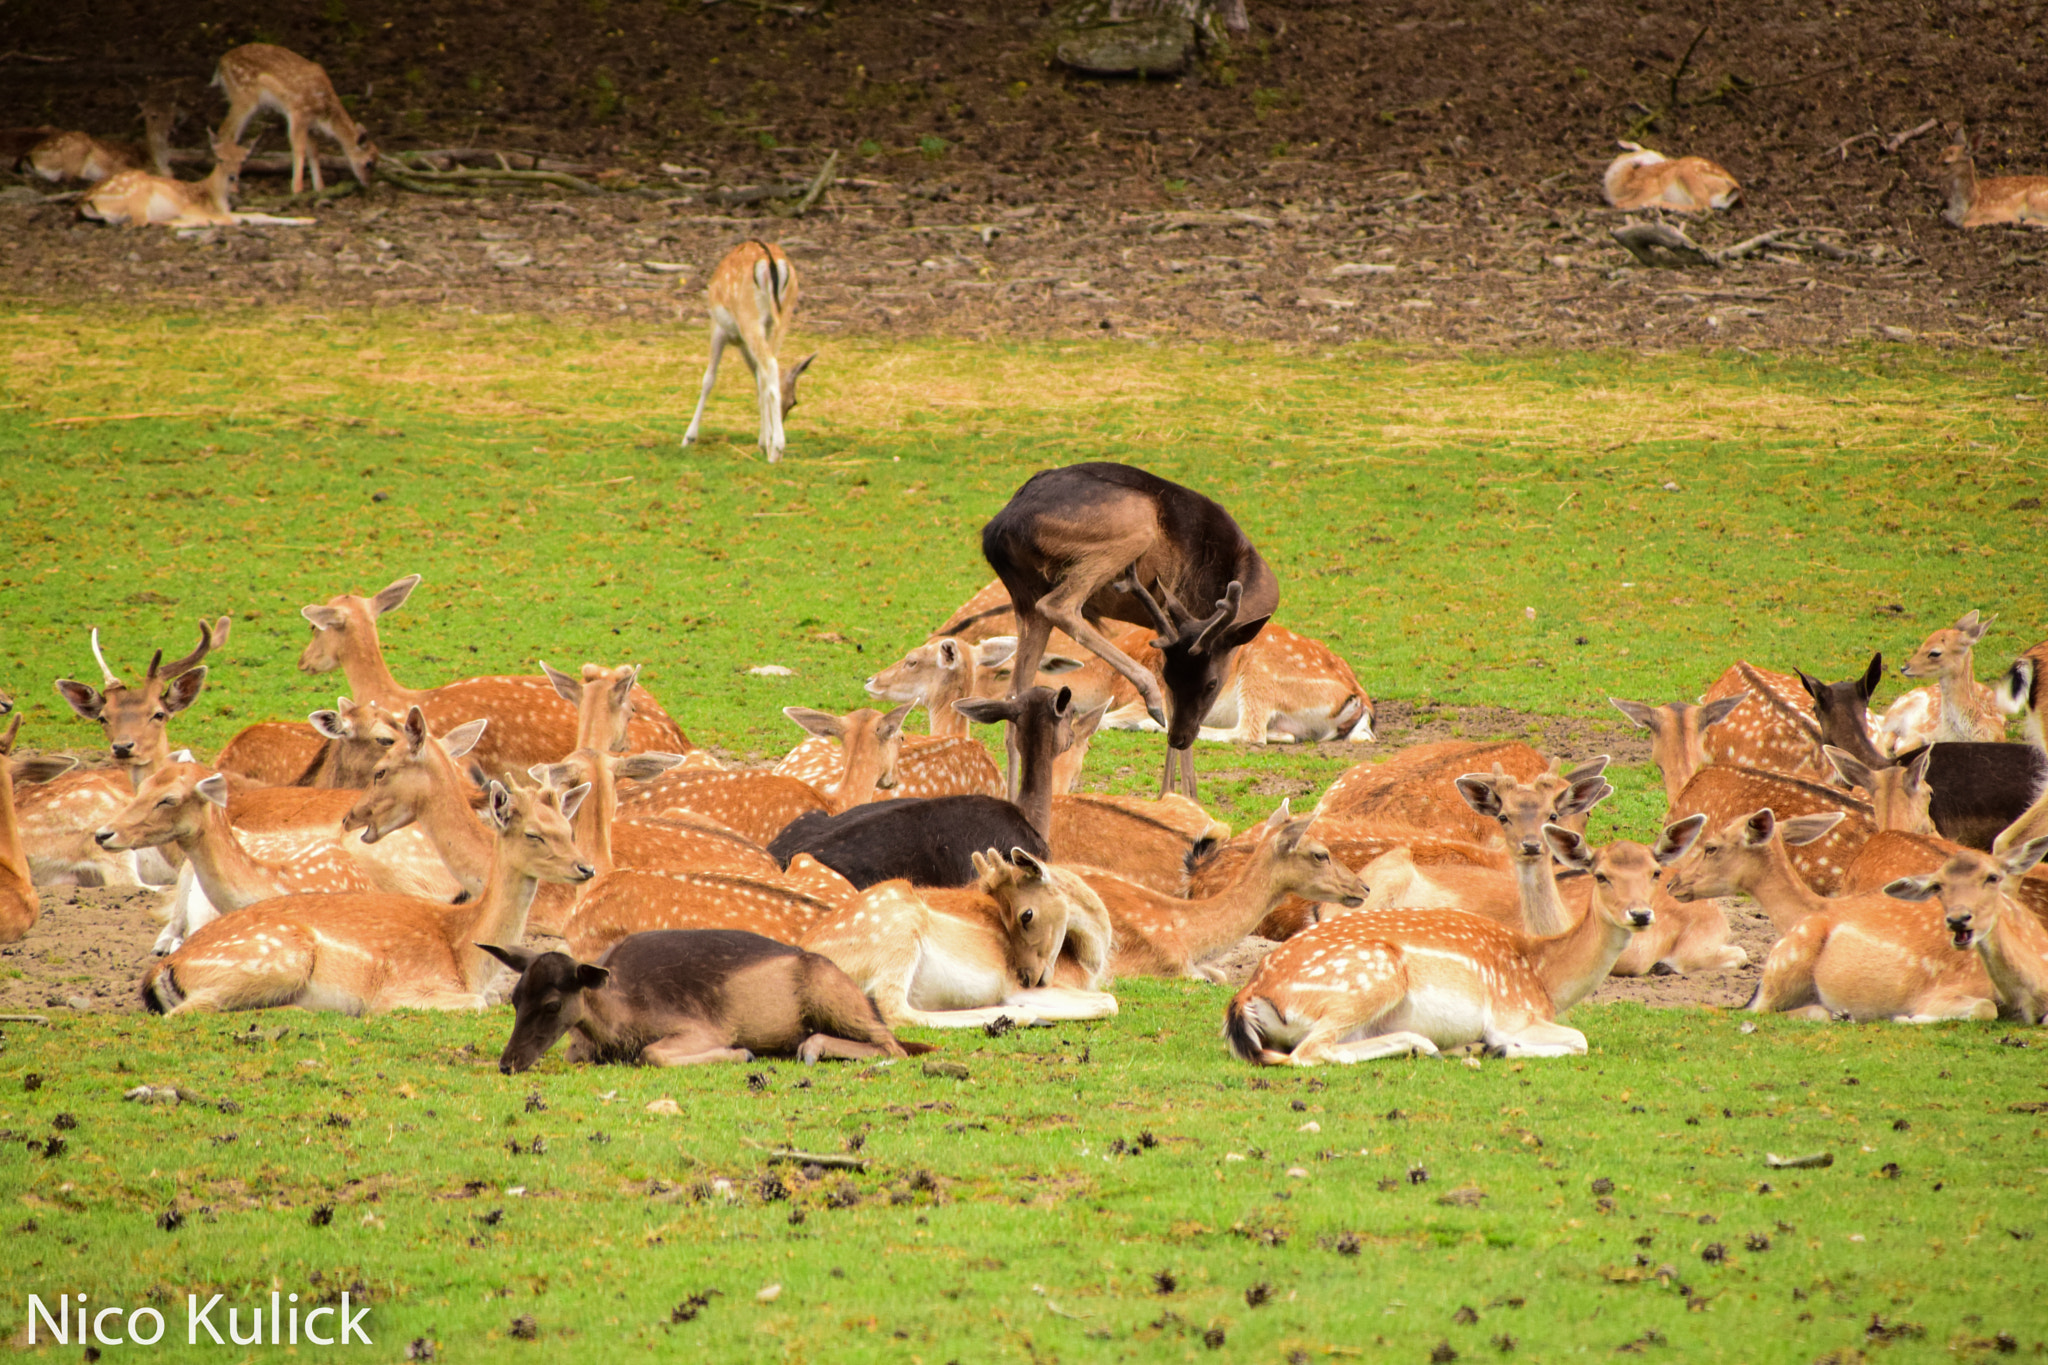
x=1459 y=145
x=87 y=951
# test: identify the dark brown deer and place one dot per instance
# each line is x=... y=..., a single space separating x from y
x=1080 y=544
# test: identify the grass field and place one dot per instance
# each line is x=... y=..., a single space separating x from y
x=1415 y=508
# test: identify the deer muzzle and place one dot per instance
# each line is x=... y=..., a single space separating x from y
x=1640 y=918
x=1961 y=932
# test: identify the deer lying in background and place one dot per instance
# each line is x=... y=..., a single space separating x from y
x=258 y=76
x=1390 y=983
x=1282 y=686
x=1891 y=855
x=1417 y=788
x=140 y=199
x=967 y=957
x=1968 y=710
x=756 y=805
x=336 y=748
x=20 y=906
x=1722 y=794
x=1640 y=178
x=918 y=766
x=62 y=156
x=782 y=905
x=1150 y=840
x=1160 y=935
x=752 y=295
x=940 y=672
x=1980 y=913
x=1352 y=845
x=1678 y=735
x=2001 y=201
x=683 y=997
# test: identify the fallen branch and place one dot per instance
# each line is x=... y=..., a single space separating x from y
x=24 y=1019
x=1750 y=245
x=1898 y=140
x=1662 y=246
x=789 y=1156
x=818 y=185
x=559 y=178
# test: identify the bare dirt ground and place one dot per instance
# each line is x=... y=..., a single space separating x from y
x=1426 y=174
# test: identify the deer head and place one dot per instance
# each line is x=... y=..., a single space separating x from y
x=1625 y=874
x=411 y=776
x=1195 y=653
x=134 y=717
x=1524 y=808
x=1972 y=888
x=1947 y=652
x=169 y=808
x=547 y=1002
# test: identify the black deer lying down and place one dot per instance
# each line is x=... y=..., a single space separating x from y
x=1079 y=544
x=676 y=997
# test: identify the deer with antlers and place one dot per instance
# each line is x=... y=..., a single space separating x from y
x=20 y=906
x=141 y=199
x=363 y=954
x=1981 y=914
x=1640 y=178
x=752 y=295
x=1080 y=544
x=2001 y=201
x=259 y=76
x=1397 y=982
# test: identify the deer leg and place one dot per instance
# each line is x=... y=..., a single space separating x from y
x=1058 y=1002
x=691 y=1048
x=718 y=339
x=1537 y=1038
x=768 y=393
x=839 y=1049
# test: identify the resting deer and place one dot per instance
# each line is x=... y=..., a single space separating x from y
x=334 y=748
x=81 y=156
x=1640 y=178
x=140 y=199
x=940 y=672
x=1976 y=894
x=1722 y=794
x=1678 y=735
x=20 y=906
x=1891 y=855
x=919 y=766
x=1282 y=686
x=1078 y=544
x=2002 y=201
x=1968 y=710
x=1356 y=846
x=1153 y=841
x=363 y=954
x=259 y=76
x=681 y=997
x=967 y=957
x=782 y=905
x=753 y=297
x=1394 y=982
x=1417 y=788
x=757 y=805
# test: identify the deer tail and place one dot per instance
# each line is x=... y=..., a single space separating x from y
x=1245 y=1022
x=160 y=993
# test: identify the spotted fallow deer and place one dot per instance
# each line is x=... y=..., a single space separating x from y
x=2001 y=201
x=940 y=672
x=1356 y=846
x=141 y=199
x=1640 y=178
x=530 y=722
x=1281 y=687
x=1722 y=794
x=1980 y=913
x=334 y=748
x=1027 y=941
x=752 y=296
x=81 y=156
x=782 y=905
x=1781 y=721
x=1892 y=854
x=1968 y=710
x=918 y=766
x=756 y=805
x=1154 y=841
x=1092 y=541
x=363 y=954
x=1395 y=982
x=258 y=76
x=2023 y=691
x=1678 y=735
x=19 y=904
x=1417 y=788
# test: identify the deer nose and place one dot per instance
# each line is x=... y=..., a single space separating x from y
x=104 y=838
x=1640 y=918
x=584 y=872
x=1530 y=848
x=123 y=748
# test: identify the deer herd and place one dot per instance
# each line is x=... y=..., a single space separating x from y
x=398 y=850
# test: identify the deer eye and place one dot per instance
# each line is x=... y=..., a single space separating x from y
x=1600 y=877
x=1025 y=918
x=1322 y=857
x=385 y=743
x=167 y=801
x=534 y=837
x=161 y=715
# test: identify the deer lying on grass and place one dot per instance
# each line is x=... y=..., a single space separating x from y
x=681 y=997
x=1968 y=710
x=336 y=748
x=1980 y=913
x=2001 y=201
x=1152 y=841
x=1678 y=735
x=918 y=766
x=1352 y=845
x=782 y=905
x=1078 y=544
x=1722 y=794
x=259 y=76
x=1640 y=178
x=20 y=906
x=1390 y=983
x=363 y=954
x=753 y=297
x=1417 y=788
x=81 y=156
x=530 y=723
x=140 y=199
x=1161 y=935
x=1891 y=855
x=966 y=957
x=756 y=805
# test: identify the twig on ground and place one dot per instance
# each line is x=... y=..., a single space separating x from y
x=1661 y=246
x=1898 y=140
x=789 y=1156
x=559 y=178
x=818 y=185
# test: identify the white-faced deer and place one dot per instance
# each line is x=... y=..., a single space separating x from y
x=530 y=722
x=1969 y=710
x=1640 y=178
x=141 y=199
x=259 y=76
x=2001 y=201
x=753 y=297
x=19 y=904
x=1395 y=982
x=1723 y=794
x=1079 y=544
x=1981 y=913
x=1161 y=935
x=2024 y=692
x=1678 y=735
x=681 y=997
x=966 y=957
x=363 y=954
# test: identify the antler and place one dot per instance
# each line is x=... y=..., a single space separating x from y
x=107 y=678
x=1226 y=612
x=1169 y=633
x=209 y=639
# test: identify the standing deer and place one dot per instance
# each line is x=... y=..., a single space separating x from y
x=19 y=904
x=2002 y=201
x=260 y=76
x=1079 y=544
x=1977 y=903
x=753 y=297
x=1968 y=710
x=141 y=199
x=1640 y=178
x=2024 y=692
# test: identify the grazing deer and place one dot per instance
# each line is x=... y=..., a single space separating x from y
x=681 y=997
x=363 y=954
x=530 y=722
x=1976 y=894
x=19 y=904
x=2002 y=201
x=1969 y=710
x=1079 y=544
x=259 y=76
x=1161 y=935
x=1640 y=178
x=968 y=957
x=1153 y=841
x=336 y=748
x=753 y=297
x=1678 y=735
x=1393 y=982
x=1891 y=854
x=140 y=199
x=1722 y=794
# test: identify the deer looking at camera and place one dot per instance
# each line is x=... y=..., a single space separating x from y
x=1640 y=178
x=2001 y=201
x=259 y=76
x=1080 y=544
x=1981 y=913
x=1968 y=710
x=753 y=297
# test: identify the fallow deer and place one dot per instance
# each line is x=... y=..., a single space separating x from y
x=1417 y=788
x=603 y=698
x=756 y=805
x=363 y=954
x=1783 y=720
x=80 y=156
x=1640 y=178
x=1678 y=735
x=1391 y=983
x=1078 y=544
x=940 y=672
x=988 y=613
x=781 y=905
x=1161 y=935
x=258 y=76
x=20 y=906
x=141 y=199
x=530 y=723
x=1892 y=854
x=1355 y=846
x=682 y=997
x=1026 y=941
x=752 y=295
x=1722 y=794
x=2001 y=201
x=1980 y=913
x=2023 y=691
x=334 y=748
x=1154 y=841
x=1899 y=794
x=1969 y=710
x=1282 y=686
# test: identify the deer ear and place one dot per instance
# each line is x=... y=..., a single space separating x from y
x=640 y=767
x=1916 y=771
x=1028 y=867
x=572 y=800
x=184 y=690
x=948 y=652
x=1280 y=816
x=1477 y=789
x=2025 y=856
x=823 y=724
x=891 y=725
x=1644 y=716
x=551 y=774
x=1814 y=686
x=328 y=723
x=86 y=701
x=623 y=685
x=324 y=618
x=995 y=651
x=1581 y=797
x=590 y=976
x=214 y=787
x=1853 y=772
x=987 y=710
x=1677 y=839
x=415 y=726
x=1872 y=676
x=567 y=688
x=1588 y=770
x=1568 y=847
x=1063 y=701
x=463 y=737
x=43 y=768
x=518 y=959
x=1759 y=827
x=1914 y=888
x=1714 y=712
x=1806 y=829
x=499 y=808
x=1239 y=634
x=393 y=597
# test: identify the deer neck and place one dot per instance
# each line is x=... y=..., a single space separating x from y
x=1034 y=793
x=946 y=723
x=226 y=871
x=1958 y=692
x=369 y=680
x=1777 y=887
x=2015 y=956
x=496 y=916
x=1219 y=921
x=13 y=858
x=1571 y=965
x=1543 y=911
x=592 y=827
x=456 y=834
